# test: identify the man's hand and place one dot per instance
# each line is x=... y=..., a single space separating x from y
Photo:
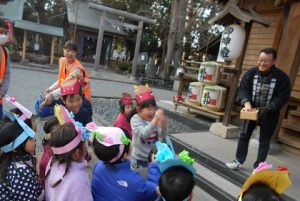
x=247 y=106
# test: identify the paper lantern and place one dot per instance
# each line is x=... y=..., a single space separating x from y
x=232 y=42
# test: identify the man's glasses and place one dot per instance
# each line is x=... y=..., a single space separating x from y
x=265 y=60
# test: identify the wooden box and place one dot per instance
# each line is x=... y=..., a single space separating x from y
x=249 y=115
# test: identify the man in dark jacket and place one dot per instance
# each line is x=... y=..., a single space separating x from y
x=267 y=88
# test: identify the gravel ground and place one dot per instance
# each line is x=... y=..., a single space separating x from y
x=108 y=110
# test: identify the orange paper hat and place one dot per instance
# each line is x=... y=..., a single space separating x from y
x=278 y=180
x=71 y=86
x=143 y=93
x=126 y=99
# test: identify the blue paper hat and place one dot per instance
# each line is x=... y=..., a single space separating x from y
x=163 y=152
x=28 y=132
x=175 y=162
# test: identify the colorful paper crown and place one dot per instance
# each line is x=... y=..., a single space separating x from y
x=26 y=114
x=184 y=161
x=126 y=99
x=109 y=136
x=71 y=86
x=278 y=180
x=163 y=152
x=143 y=93
x=28 y=132
x=63 y=117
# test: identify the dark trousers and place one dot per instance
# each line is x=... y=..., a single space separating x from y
x=267 y=128
x=1 y=112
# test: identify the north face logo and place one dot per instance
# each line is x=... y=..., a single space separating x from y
x=123 y=183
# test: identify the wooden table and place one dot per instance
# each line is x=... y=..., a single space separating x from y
x=218 y=116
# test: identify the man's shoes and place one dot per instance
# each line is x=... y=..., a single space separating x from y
x=234 y=165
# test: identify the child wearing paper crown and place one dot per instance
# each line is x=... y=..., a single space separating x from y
x=21 y=111
x=265 y=184
x=122 y=120
x=148 y=125
x=66 y=178
x=177 y=181
x=113 y=179
x=49 y=126
x=72 y=98
x=18 y=177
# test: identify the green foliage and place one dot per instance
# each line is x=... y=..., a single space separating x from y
x=124 y=65
x=153 y=35
x=42 y=11
x=198 y=31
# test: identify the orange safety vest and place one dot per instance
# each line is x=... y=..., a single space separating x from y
x=64 y=73
x=2 y=68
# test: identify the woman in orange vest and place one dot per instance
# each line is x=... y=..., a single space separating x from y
x=69 y=67
x=4 y=64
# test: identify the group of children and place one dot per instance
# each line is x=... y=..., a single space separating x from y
x=131 y=145
x=137 y=142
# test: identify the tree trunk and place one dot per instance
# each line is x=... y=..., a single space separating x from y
x=175 y=36
x=180 y=33
x=171 y=37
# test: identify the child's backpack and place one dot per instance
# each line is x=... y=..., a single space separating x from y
x=46 y=111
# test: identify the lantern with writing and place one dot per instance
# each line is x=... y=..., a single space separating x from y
x=232 y=42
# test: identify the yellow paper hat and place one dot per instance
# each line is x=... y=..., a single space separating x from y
x=278 y=180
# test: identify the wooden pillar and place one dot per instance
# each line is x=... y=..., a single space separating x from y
x=24 y=45
x=137 y=50
x=52 y=49
x=288 y=53
x=235 y=79
x=100 y=41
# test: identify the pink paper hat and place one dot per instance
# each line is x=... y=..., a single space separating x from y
x=109 y=136
x=26 y=113
x=143 y=93
x=71 y=86
x=63 y=117
x=126 y=99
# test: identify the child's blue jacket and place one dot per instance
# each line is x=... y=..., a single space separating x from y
x=119 y=183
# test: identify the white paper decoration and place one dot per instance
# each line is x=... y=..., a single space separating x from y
x=232 y=41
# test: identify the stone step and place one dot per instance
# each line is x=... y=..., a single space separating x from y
x=212 y=174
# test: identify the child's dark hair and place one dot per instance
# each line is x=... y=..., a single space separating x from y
x=49 y=126
x=176 y=184
x=121 y=106
x=70 y=45
x=62 y=135
x=147 y=103
x=3 y=24
x=9 y=131
x=105 y=153
x=261 y=192
x=18 y=112
x=64 y=98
